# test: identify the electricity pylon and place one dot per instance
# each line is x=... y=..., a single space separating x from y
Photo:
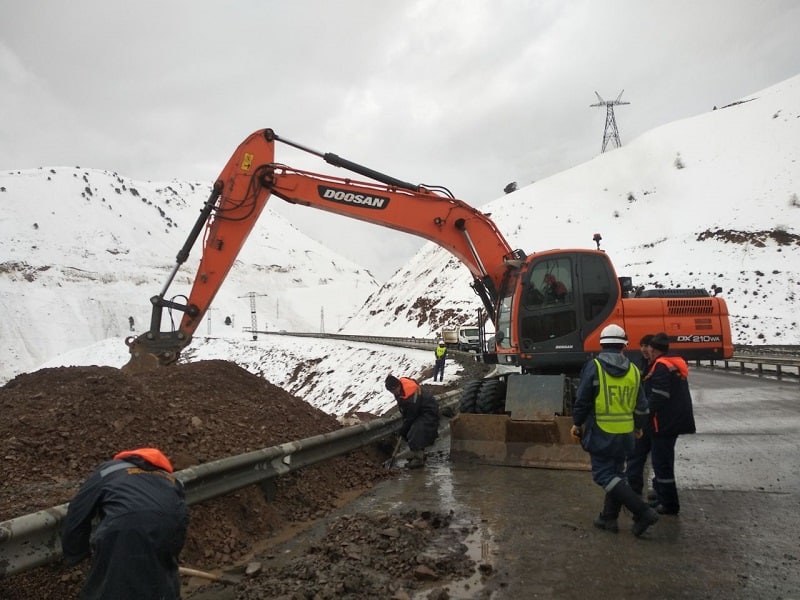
x=610 y=132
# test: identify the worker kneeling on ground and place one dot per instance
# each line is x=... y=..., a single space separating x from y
x=142 y=529
x=420 y=413
x=610 y=410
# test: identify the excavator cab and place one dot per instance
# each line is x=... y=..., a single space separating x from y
x=522 y=416
x=544 y=334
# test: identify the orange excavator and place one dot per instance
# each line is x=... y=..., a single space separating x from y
x=548 y=307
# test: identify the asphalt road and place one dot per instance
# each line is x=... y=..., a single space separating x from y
x=737 y=535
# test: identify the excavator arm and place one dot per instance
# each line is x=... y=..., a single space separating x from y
x=242 y=190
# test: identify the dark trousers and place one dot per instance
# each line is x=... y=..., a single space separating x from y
x=438 y=369
x=663 y=457
x=634 y=468
x=607 y=470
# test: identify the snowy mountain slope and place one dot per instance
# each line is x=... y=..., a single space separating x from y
x=707 y=201
x=82 y=251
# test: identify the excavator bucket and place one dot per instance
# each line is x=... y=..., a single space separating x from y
x=533 y=431
x=141 y=363
x=151 y=354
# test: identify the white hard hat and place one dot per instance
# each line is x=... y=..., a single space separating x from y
x=613 y=334
x=441 y=342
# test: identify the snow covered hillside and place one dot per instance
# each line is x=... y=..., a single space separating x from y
x=709 y=201
x=82 y=251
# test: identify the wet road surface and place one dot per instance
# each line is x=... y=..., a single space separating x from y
x=737 y=536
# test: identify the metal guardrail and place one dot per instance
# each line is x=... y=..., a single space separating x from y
x=759 y=365
x=403 y=342
x=748 y=360
x=34 y=540
x=767 y=355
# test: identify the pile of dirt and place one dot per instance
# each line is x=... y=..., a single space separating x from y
x=58 y=424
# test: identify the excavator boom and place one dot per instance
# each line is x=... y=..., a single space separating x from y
x=240 y=194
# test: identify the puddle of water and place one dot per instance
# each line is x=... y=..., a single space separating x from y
x=479 y=542
x=480 y=549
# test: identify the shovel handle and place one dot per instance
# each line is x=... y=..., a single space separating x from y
x=390 y=462
x=189 y=572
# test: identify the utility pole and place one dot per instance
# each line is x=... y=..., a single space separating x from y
x=253 y=321
x=322 y=319
x=610 y=132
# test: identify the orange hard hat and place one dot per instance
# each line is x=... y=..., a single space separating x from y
x=152 y=455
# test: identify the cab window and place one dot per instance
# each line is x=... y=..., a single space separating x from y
x=548 y=302
x=549 y=283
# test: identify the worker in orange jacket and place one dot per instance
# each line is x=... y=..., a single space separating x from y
x=420 y=412
x=667 y=389
x=142 y=528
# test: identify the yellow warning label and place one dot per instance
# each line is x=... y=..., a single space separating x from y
x=247 y=161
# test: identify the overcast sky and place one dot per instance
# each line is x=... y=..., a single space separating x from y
x=470 y=95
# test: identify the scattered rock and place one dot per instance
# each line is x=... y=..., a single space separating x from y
x=356 y=561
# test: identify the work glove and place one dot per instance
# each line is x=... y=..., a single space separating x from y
x=638 y=433
x=575 y=433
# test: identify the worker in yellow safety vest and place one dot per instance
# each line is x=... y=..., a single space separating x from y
x=440 y=352
x=609 y=412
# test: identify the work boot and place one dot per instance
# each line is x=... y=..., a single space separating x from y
x=668 y=502
x=642 y=521
x=643 y=515
x=666 y=510
x=416 y=460
x=607 y=519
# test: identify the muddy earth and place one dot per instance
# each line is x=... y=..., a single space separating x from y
x=57 y=424
x=452 y=531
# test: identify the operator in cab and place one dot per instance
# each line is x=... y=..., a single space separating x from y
x=420 y=413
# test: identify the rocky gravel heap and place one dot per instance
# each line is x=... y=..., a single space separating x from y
x=58 y=424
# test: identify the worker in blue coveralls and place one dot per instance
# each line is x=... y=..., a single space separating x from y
x=610 y=410
x=142 y=527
